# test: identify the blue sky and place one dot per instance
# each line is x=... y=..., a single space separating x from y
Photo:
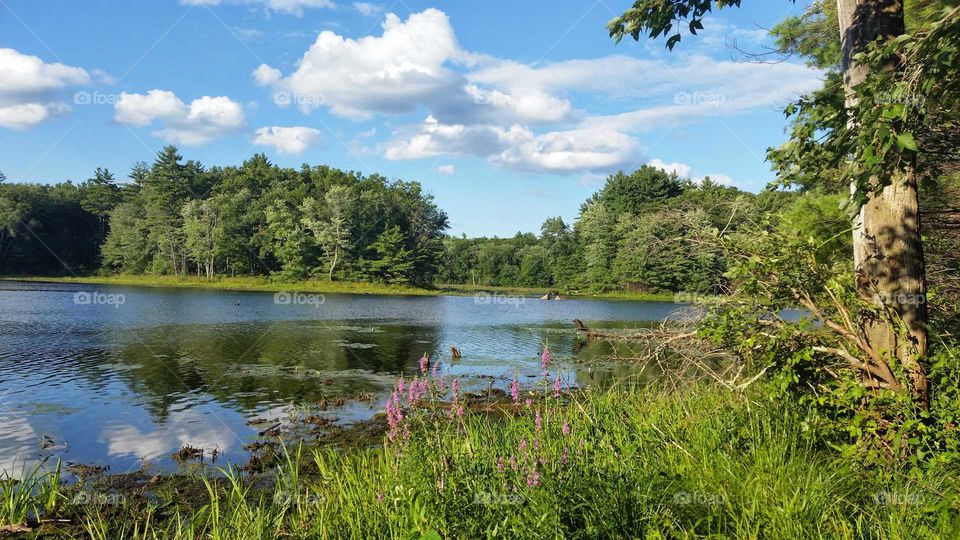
x=507 y=112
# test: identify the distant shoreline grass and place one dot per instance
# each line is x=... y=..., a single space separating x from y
x=261 y=284
x=266 y=284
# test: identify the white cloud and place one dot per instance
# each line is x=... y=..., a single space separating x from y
x=522 y=105
x=205 y=119
x=265 y=75
x=403 y=68
x=29 y=88
x=681 y=169
x=446 y=169
x=686 y=171
x=293 y=7
x=368 y=9
x=571 y=151
x=433 y=139
x=485 y=106
x=288 y=140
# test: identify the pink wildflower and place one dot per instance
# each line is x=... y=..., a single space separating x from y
x=500 y=466
x=455 y=385
x=556 y=387
x=566 y=428
x=538 y=421
x=380 y=497
x=412 y=394
x=424 y=363
x=545 y=358
x=523 y=445
x=515 y=389
x=533 y=478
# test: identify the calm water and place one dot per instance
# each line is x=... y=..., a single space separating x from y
x=105 y=382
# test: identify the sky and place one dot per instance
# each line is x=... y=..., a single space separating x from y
x=507 y=112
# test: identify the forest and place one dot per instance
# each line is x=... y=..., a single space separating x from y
x=179 y=218
x=648 y=230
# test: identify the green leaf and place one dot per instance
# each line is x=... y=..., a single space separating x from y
x=906 y=141
x=672 y=42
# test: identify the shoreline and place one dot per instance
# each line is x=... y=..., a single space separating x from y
x=263 y=284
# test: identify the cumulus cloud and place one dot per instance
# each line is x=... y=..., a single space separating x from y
x=446 y=169
x=293 y=7
x=519 y=115
x=396 y=72
x=686 y=171
x=288 y=140
x=203 y=120
x=265 y=75
x=570 y=151
x=680 y=169
x=30 y=87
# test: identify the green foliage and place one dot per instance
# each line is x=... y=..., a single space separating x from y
x=177 y=218
x=646 y=231
x=656 y=18
x=394 y=263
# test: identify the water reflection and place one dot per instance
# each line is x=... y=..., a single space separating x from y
x=121 y=384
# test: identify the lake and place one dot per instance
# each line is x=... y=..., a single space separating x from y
x=120 y=376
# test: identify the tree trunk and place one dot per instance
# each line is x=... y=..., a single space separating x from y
x=333 y=264
x=888 y=251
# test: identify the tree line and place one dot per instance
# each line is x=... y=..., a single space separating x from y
x=648 y=230
x=180 y=218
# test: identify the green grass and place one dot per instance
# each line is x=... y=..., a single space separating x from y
x=640 y=463
x=267 y=284
x=241 y=284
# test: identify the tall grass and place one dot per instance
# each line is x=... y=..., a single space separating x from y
x=637 y=465
x=626 y=462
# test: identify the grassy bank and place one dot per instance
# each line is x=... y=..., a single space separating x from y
x=626 y=462
x=266 y=284
x=244 y=283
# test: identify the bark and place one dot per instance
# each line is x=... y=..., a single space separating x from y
x=888 y=252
